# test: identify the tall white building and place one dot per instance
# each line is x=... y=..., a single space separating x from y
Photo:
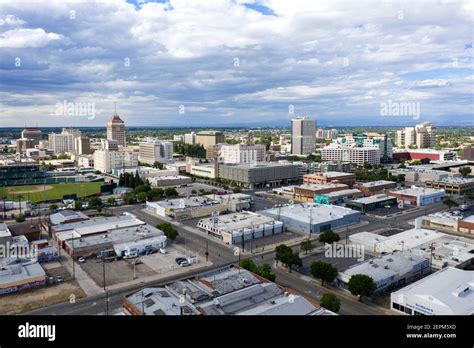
x=358 y=155
x=64 y=141
x=190 y=138
x=240 y=153
x=422 y=135
x=303 y=136
x=371 y=140
x=154 y=150
x=106 y=160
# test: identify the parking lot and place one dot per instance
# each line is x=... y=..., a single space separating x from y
x=120 y=271
x=196 y=186
x=384 y=211
x=341 y=263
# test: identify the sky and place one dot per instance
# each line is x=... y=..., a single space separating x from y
x=236 y=62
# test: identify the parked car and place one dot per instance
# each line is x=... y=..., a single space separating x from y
x=180 y=260
x=59 y=279
x=163 y=251
x=185 y=263
x=81 y=259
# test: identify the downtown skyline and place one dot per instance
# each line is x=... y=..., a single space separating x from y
x=236 y=63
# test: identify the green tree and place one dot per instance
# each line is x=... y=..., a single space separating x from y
x=129 y=199
x=111 y=201
x=361 y=285
x=20 y=218
x=249 y=265
x=285 y=255
x=78 y=204
x=425 y=160
x=171 y=192
x=53 y=207
x=168 y=229
x=306 y=245
x=265 y=271
x=331 y=302
x=465 y=171
x=324 y=271
x=141 y=197
x=94 y=203
x=329 y=237
x=450 y=203
x=155 y=194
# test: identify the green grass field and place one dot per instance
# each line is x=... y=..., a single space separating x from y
x=39 y=193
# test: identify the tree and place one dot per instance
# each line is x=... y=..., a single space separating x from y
x=425 y=160
x=53 y=207
x=265 y=271
x=465 y=171
x=170 y=232
x=361 y=285
x=20 y=218
x=249 y=265
x=329 y=237
x=285 y=255
x=155 y=194
x=141 y=197
x=129 y=199
x=94 y=202
x=78 y=204
x=331 y=302
x=306 y=246
x=171 y=192
x=324 y=271
x=111 y=201
x=450 y=203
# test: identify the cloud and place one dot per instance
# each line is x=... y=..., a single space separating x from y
x=235 y=61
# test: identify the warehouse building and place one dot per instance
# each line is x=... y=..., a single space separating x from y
x=337 y=197
x=308 y=192
x=185 y=208
x=370 y=203
x=418 y=196
x=20 y=274
x=260 y=174
x=169 y=180
x=452 y=185
x=234 y=201
x=67 y=216
x=330 y=177
x=119 y=239
x=388 y=271
x=414 y=175
x=449 y=291
x=229 y=290
x=240 y=227
x=374 y=187
x=5 y=234
x=312 y=217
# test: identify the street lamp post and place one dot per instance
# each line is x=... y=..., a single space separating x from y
x=73 y=264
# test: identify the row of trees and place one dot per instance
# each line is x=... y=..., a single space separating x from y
x=132 y=180
x=192 y=150
x=264 y=270
x=170 y=232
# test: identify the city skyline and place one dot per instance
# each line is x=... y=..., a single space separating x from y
x=181 y=63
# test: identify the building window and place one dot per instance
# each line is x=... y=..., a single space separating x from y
x=408 y=311
x=396 y=306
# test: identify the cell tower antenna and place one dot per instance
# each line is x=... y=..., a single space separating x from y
x=115 y=107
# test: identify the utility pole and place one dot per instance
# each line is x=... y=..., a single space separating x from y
x=310 y=221
x=73 y=265
x=207 y=250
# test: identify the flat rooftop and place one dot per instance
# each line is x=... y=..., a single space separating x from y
x=455 y=180
x=258 y=165
x=317 y=187
x=342 y=193
x=377 y=183
x=66 y=215
x=239 y=221
x=450 y=287
x=4 y=231
x=417 y=191
x=330 y=174
x=373 y=199
x=305 y=212
x=385 y=266
x=19 y=272
x=185 y=203
x=100 y=224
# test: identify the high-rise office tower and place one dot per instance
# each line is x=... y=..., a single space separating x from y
x=116 y=130
x=303 y=135
x=33 y=134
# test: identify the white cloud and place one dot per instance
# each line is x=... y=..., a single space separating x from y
x=23 y=38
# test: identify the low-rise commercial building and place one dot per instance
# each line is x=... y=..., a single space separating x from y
x=313 y=218
x=185 y=208
x=453 y=185
x=370 y=203
x=234 y=201
x=388 y=271
x=240 y=227
x=229 y=290
x=337 y=197
x=20 y=274
x=308 y=192
x=418 y=196
x=169 y=180
x=261 y=174
x=330 y=177
x=446 y=292
x=197 y=168
x=423 y=175
x=374 y=187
